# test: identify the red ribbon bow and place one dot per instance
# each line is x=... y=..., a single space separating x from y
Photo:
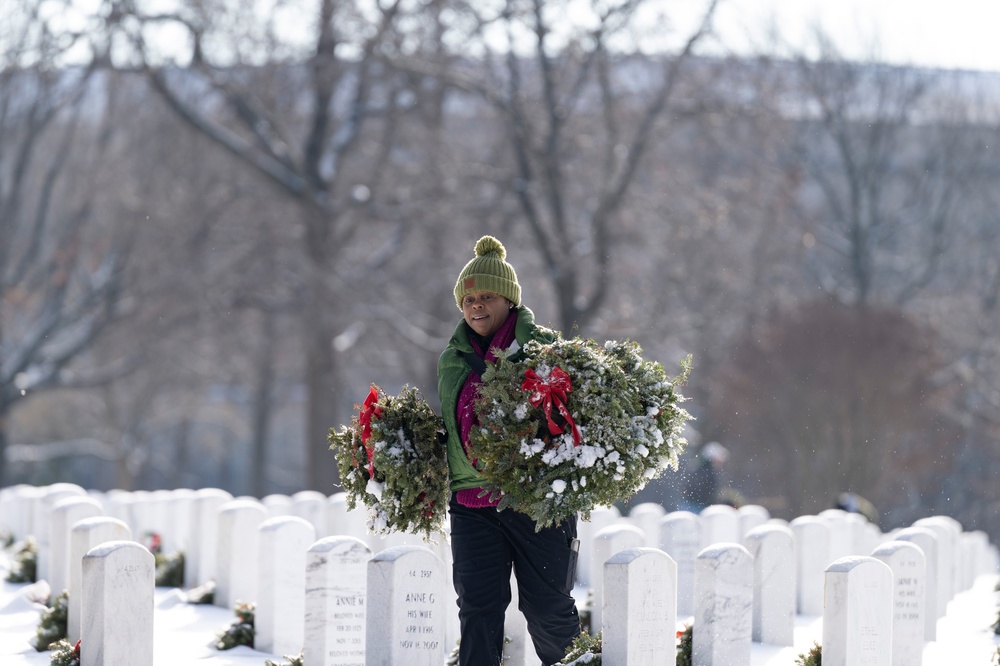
x=545 y=393
x=369 y=410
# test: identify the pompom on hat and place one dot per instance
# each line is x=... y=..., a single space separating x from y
x=488 y=272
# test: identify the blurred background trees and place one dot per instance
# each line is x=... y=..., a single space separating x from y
x=219 y=222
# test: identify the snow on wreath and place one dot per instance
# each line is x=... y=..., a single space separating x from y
x=391 y=461
x=574 y=426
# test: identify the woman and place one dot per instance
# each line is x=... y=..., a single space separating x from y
x=487 y=543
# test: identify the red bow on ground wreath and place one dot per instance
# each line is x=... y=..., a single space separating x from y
x=546 y=392
x=369 y=410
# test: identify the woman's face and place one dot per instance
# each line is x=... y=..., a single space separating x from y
x=485 y=312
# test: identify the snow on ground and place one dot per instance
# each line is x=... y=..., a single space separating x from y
x=183 y=633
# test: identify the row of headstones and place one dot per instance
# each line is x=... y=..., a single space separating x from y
x=243 y=527
x=344 y=605
x=183 y=520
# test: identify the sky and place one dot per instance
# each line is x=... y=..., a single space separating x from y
x=950 y=34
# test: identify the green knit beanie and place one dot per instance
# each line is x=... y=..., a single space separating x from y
x=488 y=272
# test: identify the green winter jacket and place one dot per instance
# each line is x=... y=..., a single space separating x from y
x=452 y=373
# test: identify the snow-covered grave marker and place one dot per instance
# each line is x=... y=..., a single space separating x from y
x=176 y=532
x=840 y=533
x=42 y=523
x=16 y=507
x=857 y=613
x=773 y=551
x=812 y=546
x=277 y=505
x=310 y=505
x=518 y=649
x=927 y=540
x=646 y=516
x=909 y=573
x=335 y=602
x=406 y=608
x=118 y=586
x=200 y=558
x=947 y=531
x=640 y=608
x=65 y=513
x=751 y=516
x=85 y=535
x=600 y=517
x=723 y=606
x=680 y=538
x=606 y=542
x=237 y=551
x=353 y=523
x=279 y=619
x=720 y=523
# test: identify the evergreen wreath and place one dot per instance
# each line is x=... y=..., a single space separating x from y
x=289 y=661
x=812 y=658
x=65 y=654
x=24 y=566
x=392 y=460
x=685 y=646
x=239 y=632
x=53 y=624
x=574 y=426
x=585 y=649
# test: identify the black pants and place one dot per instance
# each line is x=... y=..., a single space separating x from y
x=485 y=544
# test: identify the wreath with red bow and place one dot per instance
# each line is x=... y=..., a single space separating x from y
x=391 y=461
x=574 y=425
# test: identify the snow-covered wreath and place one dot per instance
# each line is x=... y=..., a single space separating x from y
x=575 y=425
x=391 y=460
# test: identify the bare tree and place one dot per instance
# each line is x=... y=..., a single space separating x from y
x=314 y=117
x=576 y=110
x=883 y=176
x=60 y=265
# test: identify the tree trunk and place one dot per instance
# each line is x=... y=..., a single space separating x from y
x=321 y=409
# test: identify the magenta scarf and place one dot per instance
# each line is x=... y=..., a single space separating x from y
x=465 y=407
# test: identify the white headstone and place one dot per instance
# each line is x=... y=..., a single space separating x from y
x=680 y=538
x=927 y=540
x=65 y=513
x=646 y=516
x=908 y=566
x=118 y=585
x=774 y=599
x=812 y=547
x=200 y=560
x=279 y=619
x=42 y=524
x=600 y=517
x=336 y=595
x=720 y=523
x=751 y=516
x=85 y=535
x=640 y=608
x=606 y=542
x=517 y=646
x=277 y=505
x=354 y=522
x=406 y=608
x=310 y=505
x=840 y=533
x=176 y=531
x=238 y=548
x=857 y=614
x=948 y=536
x=723 y=606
